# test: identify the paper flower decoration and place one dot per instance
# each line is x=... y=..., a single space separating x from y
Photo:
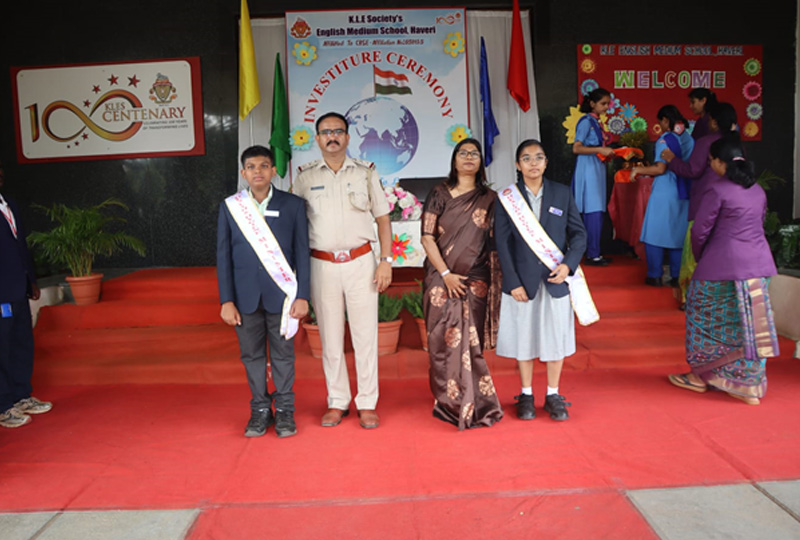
x=304 y=53
x=629 y=112
x=613 y=105
x=617 y=125
x=401 y=246
x=656 y=129
x=457 y=133
x=570 y=122
x=454 y=44
x=750 y=129
x=588 y=85
x=754 y=111
x=752 y=67
x=588 y=66
x=752 y=91
x=639 y=124
x=586 y=49
x=300 y=138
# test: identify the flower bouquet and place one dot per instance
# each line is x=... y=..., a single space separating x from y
x=403 y=206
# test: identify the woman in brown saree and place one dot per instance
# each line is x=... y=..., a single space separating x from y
x=456 y=234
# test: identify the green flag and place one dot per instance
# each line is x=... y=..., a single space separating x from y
x=279 y=139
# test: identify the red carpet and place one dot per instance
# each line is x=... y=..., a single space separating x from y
x=162 y=445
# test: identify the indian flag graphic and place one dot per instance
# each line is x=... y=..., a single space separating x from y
x=389 y=82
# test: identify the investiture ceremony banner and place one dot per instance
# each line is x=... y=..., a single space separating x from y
x=398 y=75
x=644 y=77
x=108 y=111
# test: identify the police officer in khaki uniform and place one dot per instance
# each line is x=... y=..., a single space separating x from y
x=343 y=198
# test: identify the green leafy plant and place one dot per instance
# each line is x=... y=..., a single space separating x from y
x=80 y=236
x=412 y=301
x=635 y=139
x=311 y=318
x=389 y=307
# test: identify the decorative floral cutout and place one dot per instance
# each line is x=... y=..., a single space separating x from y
x=588 y=66
x=588 y=85
x=752 y=67
x=639 y=124
x=304 y=53
x=629 y=112
x=570 y=122
x=586 y=49
x=301 y=138
x=750 y=129
x=656 y=129
x=752 y=91
x=613 y=104
x=617 y=125
x=754 y=111
x=457 y=133
x=401 y=247
x=454 y=44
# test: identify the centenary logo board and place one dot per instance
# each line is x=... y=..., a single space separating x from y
x=398 y=75
x=644 y=77
x=108 y=111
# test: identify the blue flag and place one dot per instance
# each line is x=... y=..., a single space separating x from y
x=490 y=130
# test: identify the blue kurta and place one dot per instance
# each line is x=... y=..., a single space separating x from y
x=666 y=218
x=589 y=179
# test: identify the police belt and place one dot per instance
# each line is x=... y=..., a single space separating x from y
x=343 y=255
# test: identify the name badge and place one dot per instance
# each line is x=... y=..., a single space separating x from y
x=5 y=309
x=315 y=188
x=556 y=211
x=272 y=213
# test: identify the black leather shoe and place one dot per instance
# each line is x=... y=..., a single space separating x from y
x=525 y=408
x=260 y=420
x=652 y=281
x=597 y=261
x=284 y=423
x=557 y=407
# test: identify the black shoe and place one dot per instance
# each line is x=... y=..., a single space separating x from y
x=597 y=261
x=260 y=420
x=284 y=423
x=557 y=407
x=653 y=281
x=525 y=408
x=675 y=282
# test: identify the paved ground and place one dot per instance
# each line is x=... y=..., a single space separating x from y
x=768 y=511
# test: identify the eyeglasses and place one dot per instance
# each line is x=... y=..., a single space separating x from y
x=463 y=154
x=539 y=158
x=332 y=132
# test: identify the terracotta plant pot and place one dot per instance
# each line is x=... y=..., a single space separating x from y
x=85 y=290
x=388 y=336
x=314 y=341
x=423 y=333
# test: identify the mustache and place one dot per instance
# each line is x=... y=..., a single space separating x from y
x=331 y=142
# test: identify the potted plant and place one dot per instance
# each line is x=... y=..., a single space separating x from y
x=312 y=332
x=389 y=323
x=412 y=301
x=79 y=236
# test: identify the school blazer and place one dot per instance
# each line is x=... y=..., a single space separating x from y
x=520 y=265
x=241 y=277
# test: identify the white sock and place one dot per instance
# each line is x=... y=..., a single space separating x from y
x=527 y=390
x=551 y=391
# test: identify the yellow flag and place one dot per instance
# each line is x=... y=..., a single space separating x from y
x=249 y=93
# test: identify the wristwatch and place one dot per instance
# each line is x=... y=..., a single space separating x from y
x=387 y=259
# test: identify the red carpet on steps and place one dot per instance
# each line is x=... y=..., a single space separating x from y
x=174 y=438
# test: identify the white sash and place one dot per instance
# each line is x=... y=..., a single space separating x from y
x=258 y=234
x=543 y=246
x=6 y=210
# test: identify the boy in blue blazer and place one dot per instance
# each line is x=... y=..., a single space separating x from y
x=263 y=277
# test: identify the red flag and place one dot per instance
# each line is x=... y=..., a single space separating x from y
x=517 y=65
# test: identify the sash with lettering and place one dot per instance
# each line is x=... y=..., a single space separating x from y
x=543 y=246
x=258 y=234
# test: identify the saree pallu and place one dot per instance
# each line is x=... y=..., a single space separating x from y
x=730 y=333
x=688 y=263
x=459 y=376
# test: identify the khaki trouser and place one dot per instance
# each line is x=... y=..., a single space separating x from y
x=334 y=287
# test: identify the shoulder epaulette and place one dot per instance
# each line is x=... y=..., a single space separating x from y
x=309 y=165
x=364 y=163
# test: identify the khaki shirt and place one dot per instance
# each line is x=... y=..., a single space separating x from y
x=341 y=206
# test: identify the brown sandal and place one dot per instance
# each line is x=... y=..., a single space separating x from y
x=681 y=380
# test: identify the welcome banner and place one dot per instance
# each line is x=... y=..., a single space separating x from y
x=108 y=111
x=644 y=77
x=398 y=75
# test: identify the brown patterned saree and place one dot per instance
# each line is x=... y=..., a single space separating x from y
x=459 y=377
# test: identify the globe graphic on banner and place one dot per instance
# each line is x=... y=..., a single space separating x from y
x=382 y=131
